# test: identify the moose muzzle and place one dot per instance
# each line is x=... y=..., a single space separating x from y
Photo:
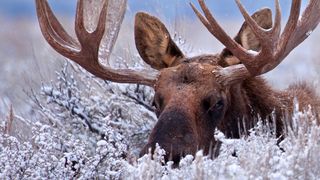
x=174 y=133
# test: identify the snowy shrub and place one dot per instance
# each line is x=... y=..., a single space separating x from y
x=258 y=156
x=86 y=128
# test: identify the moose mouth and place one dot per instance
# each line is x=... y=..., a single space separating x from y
x=176 y=156
x=174 y=133
x=173 y=156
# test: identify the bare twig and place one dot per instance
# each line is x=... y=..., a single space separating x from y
x=9 y=121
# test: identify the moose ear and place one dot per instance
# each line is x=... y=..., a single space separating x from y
x=154 y=43
x=246 y=37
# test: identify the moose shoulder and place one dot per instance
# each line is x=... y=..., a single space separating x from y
x=193 y=96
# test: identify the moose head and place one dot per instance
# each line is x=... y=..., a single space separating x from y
x=195 y=95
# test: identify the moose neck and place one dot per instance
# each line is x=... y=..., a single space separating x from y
x=251 y=100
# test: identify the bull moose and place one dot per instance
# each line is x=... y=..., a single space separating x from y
x=195 y=95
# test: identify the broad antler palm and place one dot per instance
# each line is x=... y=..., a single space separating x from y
x=275 y=46
x=85 y=50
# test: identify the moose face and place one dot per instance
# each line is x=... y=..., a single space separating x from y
x=190 y=99
x=189 y=105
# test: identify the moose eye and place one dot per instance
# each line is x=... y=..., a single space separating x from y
x=207 y=105
x=216 y=111
x=213 y=110
x=219 y=105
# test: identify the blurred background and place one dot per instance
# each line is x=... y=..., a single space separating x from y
x=27 y=60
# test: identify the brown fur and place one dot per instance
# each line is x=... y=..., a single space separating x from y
x=191 y=103
x=151 y=34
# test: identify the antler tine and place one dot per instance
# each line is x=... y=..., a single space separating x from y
x=90 y=42
x=257 y=30
x=100 y=29
x=248 y=59
x=53 y=22
x=268 y=40
x=80 y=29
x=306 y=24
x=54 y=32
x=86 y=54
x=274 y=48
x=291 y=23
x=276 y=29
x=265 y=36
x=215 y=29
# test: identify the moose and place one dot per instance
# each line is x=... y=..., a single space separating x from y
x=196 y=95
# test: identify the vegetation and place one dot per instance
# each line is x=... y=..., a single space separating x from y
x=78 y=126
x=84 y=128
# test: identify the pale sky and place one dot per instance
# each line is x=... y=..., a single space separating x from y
x=169 y=8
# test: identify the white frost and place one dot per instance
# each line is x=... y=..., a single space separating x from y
x=309 y=33
x=252 y=52
x=102 y=143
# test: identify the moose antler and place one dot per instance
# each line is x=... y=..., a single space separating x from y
x=85 y=51
x=274 y=47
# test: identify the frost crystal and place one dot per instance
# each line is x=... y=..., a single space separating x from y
x=309 y=33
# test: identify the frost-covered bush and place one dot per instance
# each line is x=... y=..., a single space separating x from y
x=83 y=128
x=87 y=128
x=258 y=156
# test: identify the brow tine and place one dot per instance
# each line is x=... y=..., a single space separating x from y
x=52 y=32
x=99 y=31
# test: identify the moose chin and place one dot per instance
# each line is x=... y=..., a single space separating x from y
x=196 y=95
